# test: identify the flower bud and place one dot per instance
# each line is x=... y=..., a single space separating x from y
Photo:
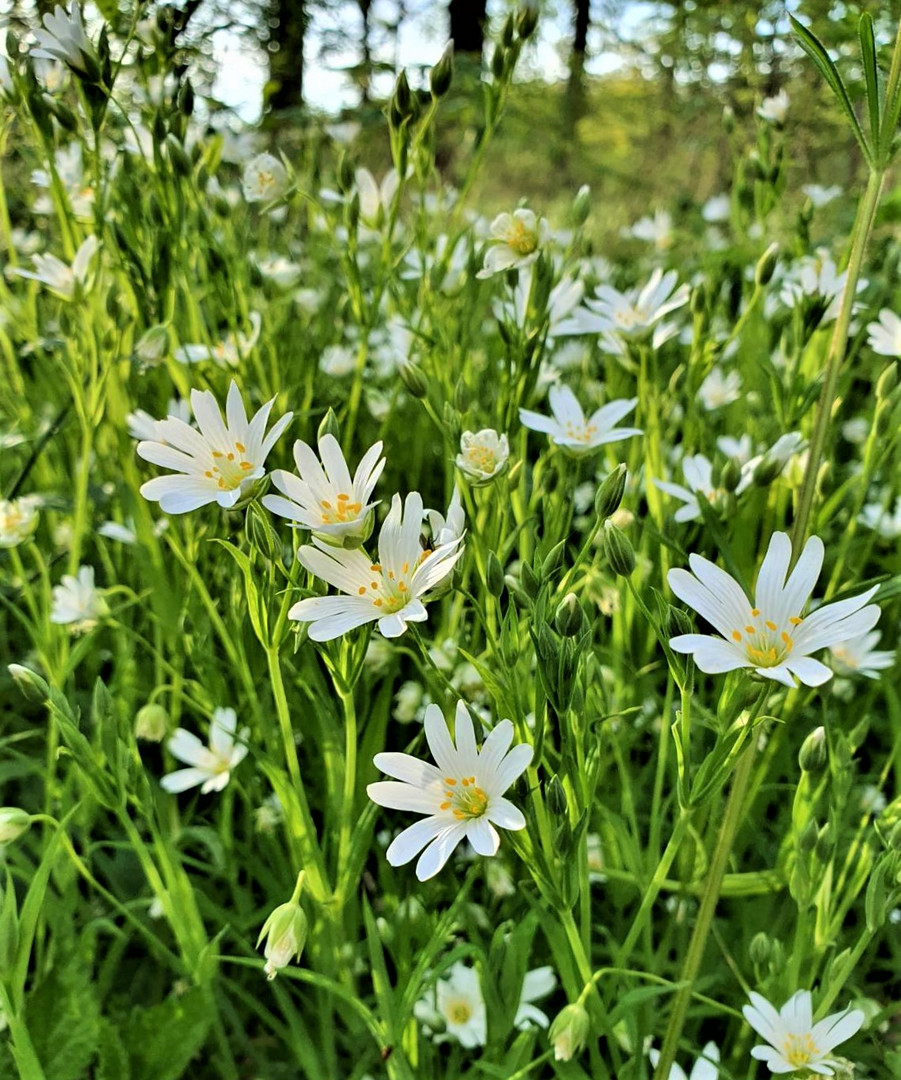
x=497 y=62
x=443 y=72
x=530 y=582
x=760 y=948
x=153 y=345
x=814 y=753
x=698 y=301
x=825 y=843
x=556 y=797
x=569 y=617
x=527 y=20
x=676 y=622
x=552 y=559
x=286 y=933
x=414 y=380
x=766 y=265
x=582 y=205
x=494 y=575
x=346 y=177
x=619 y=551
x=13 y=822
x=329 y=426
x=569 y=1031
x=610 y=493
x=887 y=382
x=807 y=841
x=403 y=98
x=152 y=723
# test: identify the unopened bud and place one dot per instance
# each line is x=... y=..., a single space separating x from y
x=552 y=559
x=508 y=31
x=530 y=582
x=181 y=163
x=698 y=302
x=62 y=112
x=814 y=753
x=494 y=575
x=569 y=618
x=760 y=948
x=766 y=265
x=610 y=493
x=152 y=723
x=346 y=177
x=807 y=841
x=767 y=471
x=286 y=933
x=442 y=73
x=556 y=797
x=887 y=382
x=329 y=426
x=582 y=205
x=676 y=622
x=13 y=822
x=402 y=100
x=825 y=843
x=619 y=551
x=153 y=345
x=526 y=21
x=497 y=62
x=569 y=1031
x=731 y=476
x=414 y=380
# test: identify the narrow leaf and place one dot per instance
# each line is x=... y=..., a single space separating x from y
x=868 y=58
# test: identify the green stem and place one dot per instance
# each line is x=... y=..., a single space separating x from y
x=350 y=785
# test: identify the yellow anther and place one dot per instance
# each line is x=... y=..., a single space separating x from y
x=736 y=635
x=755 y=611
x=240 y=448
x=769 y=624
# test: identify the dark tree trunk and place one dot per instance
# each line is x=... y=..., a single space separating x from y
x=286 y=39
x=467 y=25
x=366 y=50
x=575 y=87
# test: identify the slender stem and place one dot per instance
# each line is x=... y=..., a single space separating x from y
x=350 y=785
x=866 y=213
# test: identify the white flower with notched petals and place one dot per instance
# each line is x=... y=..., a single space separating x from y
x=375 y=198
x=210 y=766
x=885 y=334
x=859 y=656
x=265 y=179
x=568 y=426
x=563 y=297
x=18 y=519
x=462 y=797
x=456 y=1004
x=141 y=425
x=63 y=38
x=391 y=591
x=656 y=230
x=885 y=521
x=447 y=528
x=322 y=497
x=218 y=463
x=516 y=241
x=815 y=285
x=61 y=279
x=483 y=455
x=538 y=983
x=774 y=109
x=770 y=635
x=705 y=1068
x=796 y=1042
x=719 y=389
x=819 y=195
x=225 y=353
x=698 y=473
x=77 y=602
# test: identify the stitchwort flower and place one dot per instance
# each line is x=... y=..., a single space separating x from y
x=705 y=1068
x=768 y=635
x=516 y=242
x=463 y=796
x=63 y=38
x=569 y=428
x=796 y=1042
x=219 y=463
x=210 y=766
x=483 y=455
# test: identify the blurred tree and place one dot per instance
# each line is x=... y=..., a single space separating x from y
x=575 y=88
x=287 y=23
x=467 y=25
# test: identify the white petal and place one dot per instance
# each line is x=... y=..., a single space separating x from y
x=413 y=839
x=439 y=740
x=439 y=851
x=183 y=779
x=407 y=768
x=510 y=769
x=771 y=578
x=185 y=746
x=483 y=836
x=505 y=815
x=400 y=796
x=811 y=672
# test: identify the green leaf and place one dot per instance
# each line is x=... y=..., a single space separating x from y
x=868 y=58
x=256 y=607
x=817 y=52
x=63 y=1018
x=112 y=1057
x=165 y=1038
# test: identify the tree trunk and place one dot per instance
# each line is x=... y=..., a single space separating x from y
x=286 y=40
x=467 y=25
x=575 y=87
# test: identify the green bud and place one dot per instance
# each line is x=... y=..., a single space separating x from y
x=698 y=302
x=858 y=735
x=352 y=212
x=452 y=422
x=766 y=265
x=13 y=822
x=760 y=948
x=151 y=723
x=181 y=163
x=887 y=382
x=414 y=380
x=728 y=119
x=329 y=426
x=610 y=493
x=527 y=20
x=402 y=99
x=807 y=841
x=62 y=112
x=814 y=753
x=569 y=617
x=582 y=205
x=767 y=471
x=12 y=45
x=556 y=797
x=731 y=475
x=153 y=345
x=497 y=62
x=530 y=582
x=185 y=99
x=494 y=575
x=825 y=843
x=346 y=173
x=676 y=622
x=805 y=214
x=552 y=560
x=443 y=72
x=286 y=933
x=618 y=550
x=569 y=1031
x=508 y=31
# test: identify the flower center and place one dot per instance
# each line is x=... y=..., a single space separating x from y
x=481 y=458
x=799 y=1050
x=389 y=592
x=762 y=640
x=459 y=1011
x=341 y=510
x=522 y=239
x=231 y=468
x=583 y=433
x=464 y=798
x=628 y=318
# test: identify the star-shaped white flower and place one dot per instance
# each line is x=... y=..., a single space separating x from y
x=796 y=1042
x=698 y=473
x=517 y=239
x=770 y=636
x=859 y=656
x=63 y=38
x=705 y=1068
x=462 y=798
x=568 y=426
x=455 y=1003
x=885 y=334
x=322 y=497
x=219 y=463
x=483 y=455
x=210 y=766
x=774 y=109
x=77 y=602
x=392 y=590
x=60 y=278
x=265 y=179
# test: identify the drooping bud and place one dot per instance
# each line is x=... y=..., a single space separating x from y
x=494 y=575
x=414 y=380
x=814 y=753
x=610 y=493
x=13 y=822
x=286 y=933
x=619 y=551
x=151 y=723
x=569 y=1031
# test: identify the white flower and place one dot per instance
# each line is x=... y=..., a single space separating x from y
x=716 y=209
x=698 y=473
x=265 y=179
x=279 y=270
x=821 y=196
x=795 y=1041
x=563 y=297
x=141 y=425
x=858 y=656
x=719 y=389
x=815 y=280
x=209 y=766
x=463 y=797
x=6 y=81
x=569 y=428
x=59 y=277
x=872 y=800
x=326 y=500
x=516 y=241
x=770 y=636
x=885 y=335
x=882 y=520
x=448 y=528
x=337 y=360
x=774 y=109
x=705 y=1068
x=391 y=590
x=483 y=455
x=456 y=1004
x=219 y=463
x=225 y=353
x=537 y=983
x=630 y=315
x=738 y=448
x=18 y=519
x=64 y=38
x=375 y=199
x=76 y=601
x=656 y=230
